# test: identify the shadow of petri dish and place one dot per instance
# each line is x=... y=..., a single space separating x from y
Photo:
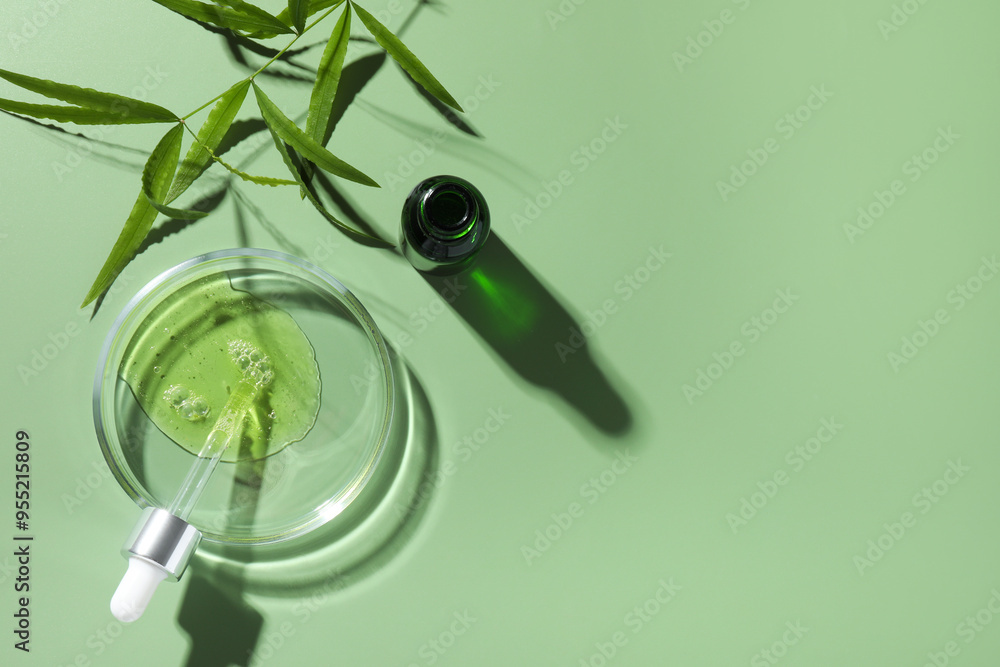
x=367 y=535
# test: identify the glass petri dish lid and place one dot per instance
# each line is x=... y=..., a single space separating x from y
x=314 y=427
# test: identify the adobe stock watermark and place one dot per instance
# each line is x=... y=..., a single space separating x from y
x=393 y=8
x=83 y=148
x=958 y=297
x=751 y=330
x=563 y=11
x=797 y=458
x=85 y=486
x=434 y=648
x=967 y=630
x=625 y=289
x=270 y=643
x=462 y=451
x=637 y=619
x=772 y=655
x=333 y=582
x=57 y=341
x=98 y=643
x=428 y=145
x=34 y=22
x=324 y=249
x=786 y=126
x=420 y=320
x=591 y=491
x=697 y=44
x=581 y=159
x=8 y=569
x=914 y=169
x=923 y=502
x=901 y=14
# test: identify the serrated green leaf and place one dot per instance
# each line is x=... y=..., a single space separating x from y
x=88 y=98
x=77 y=115
x=156 y=177
x=298 y=10
x=402 y=55
x=311 y=196
x=138 y=224
x=331 y=65
x=199 y=156
x=156 y=181
x=162 y=163
x=227 y=17
x=305 y=145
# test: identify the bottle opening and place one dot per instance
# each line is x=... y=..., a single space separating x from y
x=448 y=211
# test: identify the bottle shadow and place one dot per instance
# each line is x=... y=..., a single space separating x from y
x=527 y=327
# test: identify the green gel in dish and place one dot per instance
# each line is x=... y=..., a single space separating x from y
x=211 y=357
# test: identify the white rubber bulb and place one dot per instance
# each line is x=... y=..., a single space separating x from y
x=136 y=589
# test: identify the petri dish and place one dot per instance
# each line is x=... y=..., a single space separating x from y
x=317 y=431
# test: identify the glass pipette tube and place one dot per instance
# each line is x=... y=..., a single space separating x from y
x=163 y=541
x=225 y=430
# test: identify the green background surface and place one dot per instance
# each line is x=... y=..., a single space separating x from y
x=825 y=550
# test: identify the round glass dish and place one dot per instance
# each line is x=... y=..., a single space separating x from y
x=299 y=487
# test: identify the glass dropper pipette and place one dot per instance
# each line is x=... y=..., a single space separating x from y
x=162 y=542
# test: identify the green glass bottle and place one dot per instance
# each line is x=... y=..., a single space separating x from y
x=445 y=222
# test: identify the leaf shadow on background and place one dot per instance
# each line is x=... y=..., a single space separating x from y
x=242 y=204
x=348 y=209
x=237 y=45
x=71 y=140
x=242 y=233
x=443 y=109
x=471 y=150
x=523 y=322
x=241 y=130
x=353 y=79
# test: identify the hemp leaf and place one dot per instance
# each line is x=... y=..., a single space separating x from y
x=166 y=177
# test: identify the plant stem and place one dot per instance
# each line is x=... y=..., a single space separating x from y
x=269 y=62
